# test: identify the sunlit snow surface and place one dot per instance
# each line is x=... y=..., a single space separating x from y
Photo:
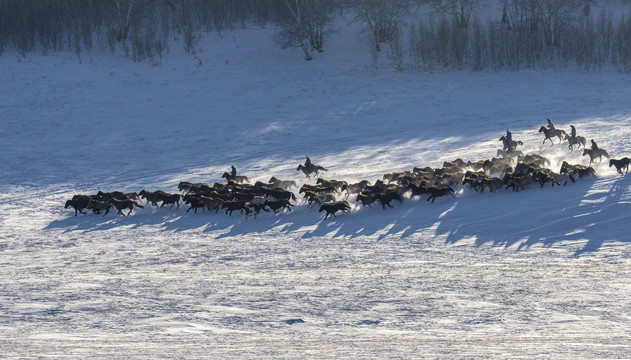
x=539 y=273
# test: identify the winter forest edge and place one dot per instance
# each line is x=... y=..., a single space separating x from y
x=419 y=35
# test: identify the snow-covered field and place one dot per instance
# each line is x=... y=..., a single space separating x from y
x=540 y=273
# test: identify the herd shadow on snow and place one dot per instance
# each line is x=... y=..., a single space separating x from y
x=588 y=212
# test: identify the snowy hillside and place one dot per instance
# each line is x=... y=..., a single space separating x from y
x=535 y=273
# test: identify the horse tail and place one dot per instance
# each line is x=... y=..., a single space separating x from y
x=140 y=206
x=605 y=153
x=322 y=168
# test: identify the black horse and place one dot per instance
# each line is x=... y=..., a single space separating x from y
x=436 y=192
x=332 y=207
x=620 y=164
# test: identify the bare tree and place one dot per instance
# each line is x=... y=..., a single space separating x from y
x=461 y=10
x=304 y=24
x=125 y=13
x=382 y=17
x=555 y=16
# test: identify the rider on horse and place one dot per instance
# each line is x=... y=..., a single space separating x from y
x=551 y=125
x=509 y=140
x=595 y=148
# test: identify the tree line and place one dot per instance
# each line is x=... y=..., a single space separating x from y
x=423 y=35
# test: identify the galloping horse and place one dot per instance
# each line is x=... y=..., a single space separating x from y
x=620 y=164
x=550 y=134
x=514 y=143
x=238 y=178
x=310 y=169
x=595 y=154
x=577 y=140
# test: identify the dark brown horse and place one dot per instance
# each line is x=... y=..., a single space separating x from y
x=124 y=204
x=98 y=206
x=549 y=134
x=387 y=197
x=332 y=207
x=514 y=143
x=169 y=199
x=78 y=203
x=277 y=205
x=310 y=169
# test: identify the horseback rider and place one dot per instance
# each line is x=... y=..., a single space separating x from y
x=551 y=125
x=595 y=148
x=509 y=140
x=233 y=172
x=573 y=132
x=308 y=162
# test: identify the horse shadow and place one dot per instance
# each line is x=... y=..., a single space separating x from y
x=167 y=219
x=581 y=213
x=589 y=213
x=399 y=222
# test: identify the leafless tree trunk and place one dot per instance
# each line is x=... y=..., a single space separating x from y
x=125 y=11
x=382 y=17
x=461 y=10
x=304 y=24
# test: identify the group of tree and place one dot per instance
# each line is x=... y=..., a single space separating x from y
x=425 y=35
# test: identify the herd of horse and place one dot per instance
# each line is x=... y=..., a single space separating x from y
x=513 y=170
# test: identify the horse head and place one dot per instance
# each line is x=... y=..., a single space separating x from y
x=586 y=151
x=542 y=129
x=225 y=175
x=68 y=203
